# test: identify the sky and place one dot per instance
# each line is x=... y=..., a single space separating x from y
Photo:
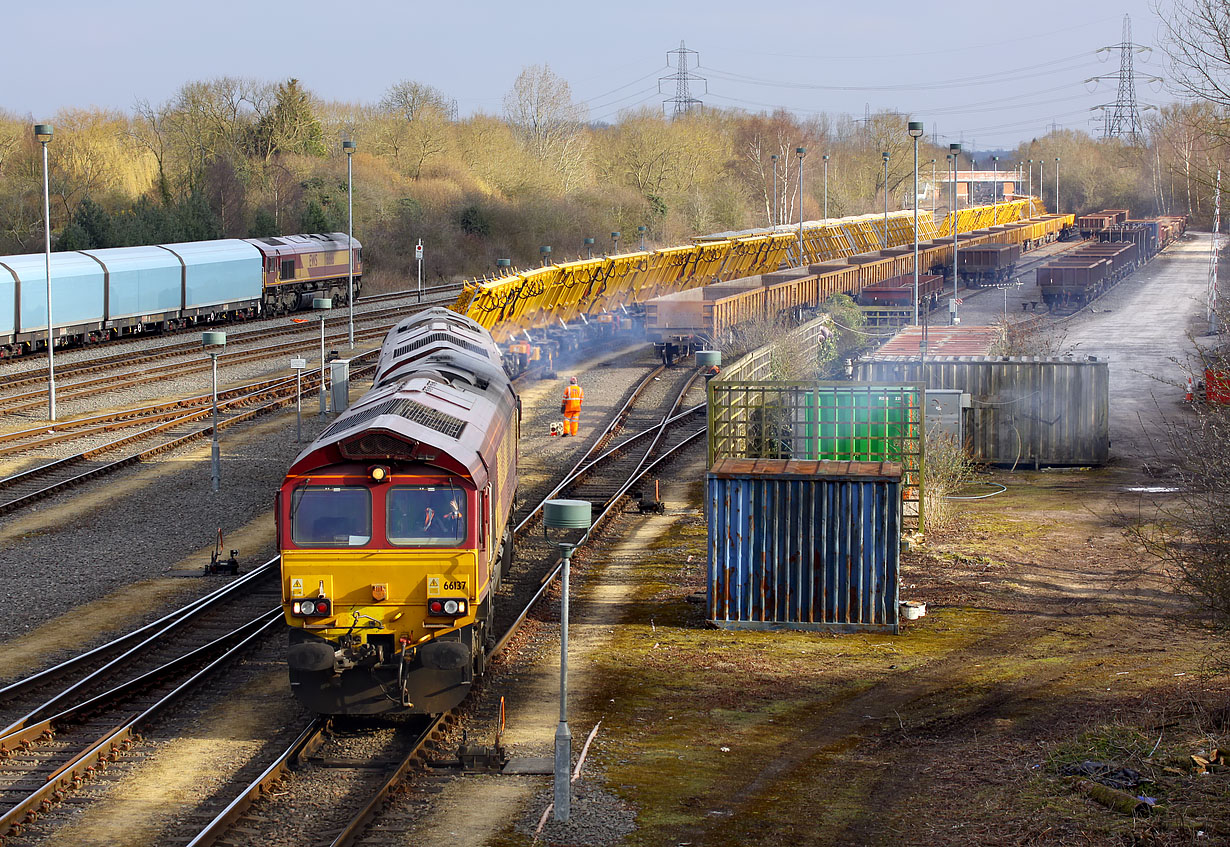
x=987 y=72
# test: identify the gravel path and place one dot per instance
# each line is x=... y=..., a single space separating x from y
x=78 y=546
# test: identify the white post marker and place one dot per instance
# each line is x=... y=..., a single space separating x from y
x=418 y=256
x=298 y=364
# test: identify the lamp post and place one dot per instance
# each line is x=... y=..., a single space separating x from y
x=589 y=247
x=915 y=129
x=884 y=156
x=1030 y=165
x=1057 y=185
x=322 y=305
x=641 y=232
x=348 y=148
x=994 y=190
x=43 y=133
x=800 y=152
x=773 y=214
x=214 y=343
x=615 y=239
x=952 y=309
x=826 y=186
x=571 y=519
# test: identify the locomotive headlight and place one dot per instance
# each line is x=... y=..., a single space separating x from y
x=378 y=473
x=450 y=607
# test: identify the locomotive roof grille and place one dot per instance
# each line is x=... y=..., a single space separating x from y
x=411 y=410
x=360 y=417
x=376 y=445
x=437 y=337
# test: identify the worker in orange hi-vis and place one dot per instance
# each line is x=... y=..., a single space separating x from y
x=571 y=406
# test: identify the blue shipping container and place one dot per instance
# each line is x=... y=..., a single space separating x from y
x=219 y=273
x=76 y=289
x=141 y=281
x=804 y=545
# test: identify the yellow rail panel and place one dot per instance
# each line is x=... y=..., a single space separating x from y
x=541 y=297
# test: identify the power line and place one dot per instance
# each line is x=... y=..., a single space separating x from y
x=683 y=100
x=947 y=51
x=990 y=78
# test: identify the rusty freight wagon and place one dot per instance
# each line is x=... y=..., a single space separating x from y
x=899 y=291
x=988 y=264
x=803 y=544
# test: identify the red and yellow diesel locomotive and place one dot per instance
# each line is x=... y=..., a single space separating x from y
x=394 y=527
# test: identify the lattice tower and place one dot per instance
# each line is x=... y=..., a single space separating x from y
x=683 y=101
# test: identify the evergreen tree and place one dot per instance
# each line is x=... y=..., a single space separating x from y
x=314 y=218
x=263 y=225
x=291 y=126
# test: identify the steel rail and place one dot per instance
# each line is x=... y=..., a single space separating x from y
x=608 y=433
x=111 y=745
x=107 y=421
x=637 y=475
x=350 y=833
x=129 y=379
x=150 y=452
x=310 y=737
x=240 y=335
x=151 y=640
x=67 y=665
x=46 y=727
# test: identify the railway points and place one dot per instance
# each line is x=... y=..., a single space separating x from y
x=644 y=434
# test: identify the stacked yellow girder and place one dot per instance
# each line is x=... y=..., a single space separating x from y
x=542 y=297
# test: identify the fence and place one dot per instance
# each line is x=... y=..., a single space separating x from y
x=752 y=416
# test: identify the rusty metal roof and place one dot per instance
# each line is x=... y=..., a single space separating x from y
x=794 y=468
x=941 y=341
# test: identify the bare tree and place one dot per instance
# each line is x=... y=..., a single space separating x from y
x=549 y=123
x=409 y=100
x=1196 y=34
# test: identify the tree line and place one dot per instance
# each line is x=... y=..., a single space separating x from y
x=236 y=158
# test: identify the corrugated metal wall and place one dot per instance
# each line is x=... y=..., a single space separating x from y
x=1026 y=411
x=804 y=545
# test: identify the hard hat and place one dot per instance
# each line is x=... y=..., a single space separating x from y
x=572 y=381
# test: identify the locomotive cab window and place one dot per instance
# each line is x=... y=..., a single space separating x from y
x=426 y=516
x=331 y=516
x=288 y=269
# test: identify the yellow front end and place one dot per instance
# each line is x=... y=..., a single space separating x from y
x=392 y=587
x=403 y=631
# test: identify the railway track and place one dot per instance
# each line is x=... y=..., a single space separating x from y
x=169 y=433
x=440 y=295
x=623 y=452
x=66 y=724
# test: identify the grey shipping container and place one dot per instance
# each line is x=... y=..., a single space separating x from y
x=1025 y=411
x=804 y=545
